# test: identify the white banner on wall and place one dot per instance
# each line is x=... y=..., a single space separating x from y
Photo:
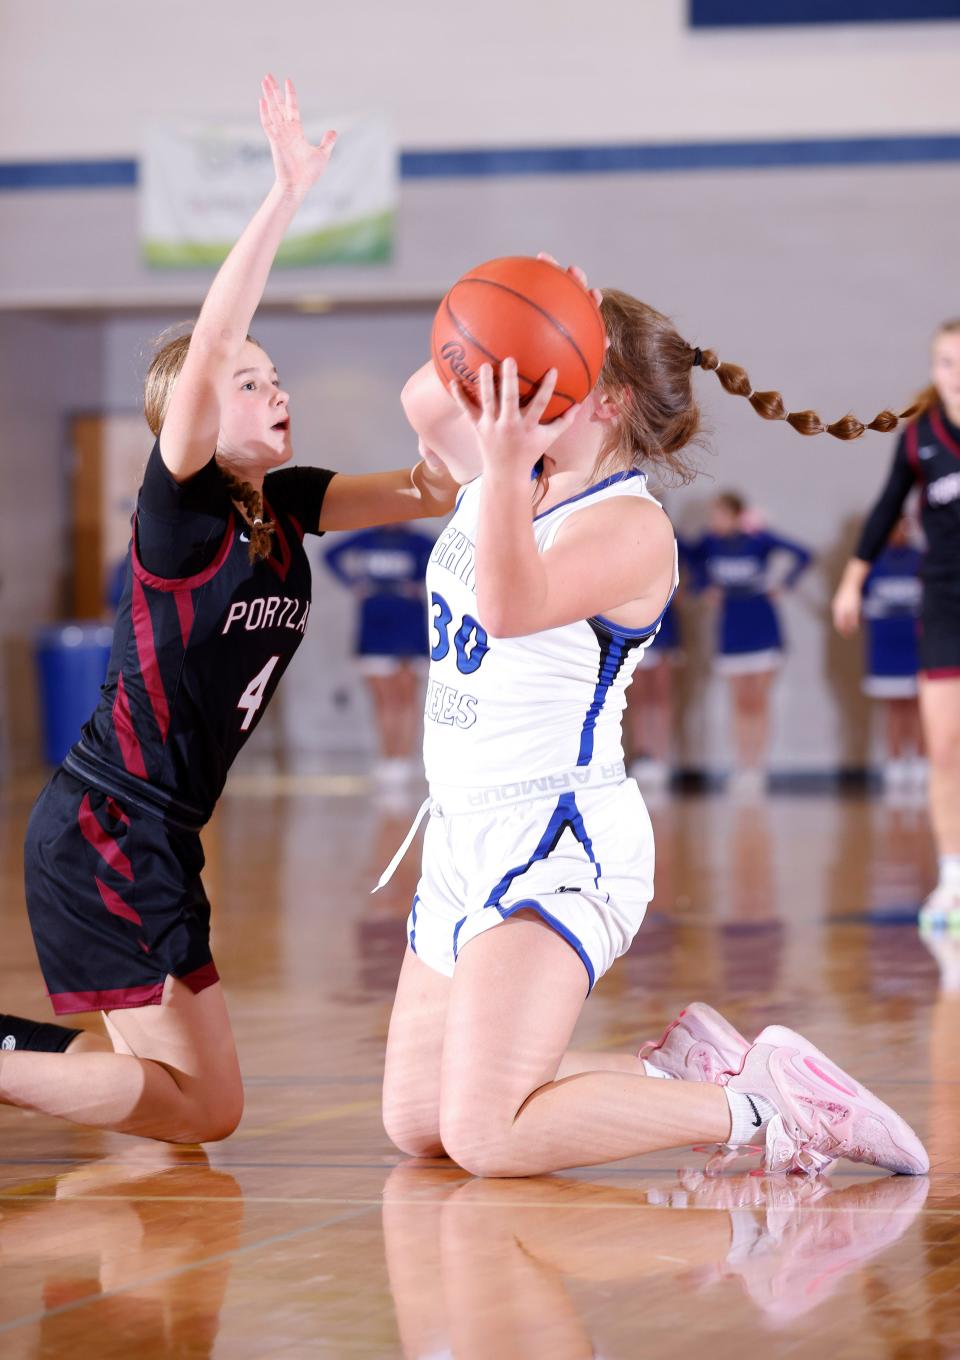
x=200 y=185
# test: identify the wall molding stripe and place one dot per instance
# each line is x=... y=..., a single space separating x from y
x=617 y=158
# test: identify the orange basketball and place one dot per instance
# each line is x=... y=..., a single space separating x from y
x=528 y=310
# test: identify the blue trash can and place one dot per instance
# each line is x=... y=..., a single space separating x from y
x=72 y=664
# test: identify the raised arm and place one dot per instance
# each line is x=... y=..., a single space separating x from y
x=192 y=423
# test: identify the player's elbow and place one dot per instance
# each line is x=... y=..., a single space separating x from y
x=503 y=620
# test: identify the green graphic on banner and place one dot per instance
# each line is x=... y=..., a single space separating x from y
x=200 y=187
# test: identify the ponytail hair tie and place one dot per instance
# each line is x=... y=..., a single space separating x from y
x=697 y=357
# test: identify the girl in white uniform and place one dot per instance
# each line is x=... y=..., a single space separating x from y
x=537 y=624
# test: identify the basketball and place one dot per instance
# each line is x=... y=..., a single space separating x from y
x=529 y=310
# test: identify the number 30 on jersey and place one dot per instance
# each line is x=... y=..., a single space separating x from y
x=469 y=641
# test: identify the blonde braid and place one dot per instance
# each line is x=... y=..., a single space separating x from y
x=261 y=530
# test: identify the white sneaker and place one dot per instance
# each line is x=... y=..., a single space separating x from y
x=944 y=945
x=896 y=774
x=392 y=770
x=941 y=911
x=918 y=772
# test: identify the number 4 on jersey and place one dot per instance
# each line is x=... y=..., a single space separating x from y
x=252 y=696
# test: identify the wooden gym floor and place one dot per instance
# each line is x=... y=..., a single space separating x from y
x=306 y=1235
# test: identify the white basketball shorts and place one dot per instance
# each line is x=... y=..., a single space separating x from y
x=582 y=861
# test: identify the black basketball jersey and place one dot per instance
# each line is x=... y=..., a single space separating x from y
x=196 y=658
x=928 y=455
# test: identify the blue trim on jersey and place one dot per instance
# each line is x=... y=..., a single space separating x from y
x=610 y=664
x=413 y=922
x=463 y=492
x=599 y=486
x=531 y=904
x=618 y=628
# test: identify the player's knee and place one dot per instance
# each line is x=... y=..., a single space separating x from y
x=211 y=1122
x=477 y=1143
x=412 y=1136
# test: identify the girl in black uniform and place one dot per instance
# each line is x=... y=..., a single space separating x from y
x=216 y=601
x=928 y=454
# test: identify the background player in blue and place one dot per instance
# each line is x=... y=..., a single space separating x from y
x=928 y=456
x=891 y=605
x=733 y=562
x=384 y=568
x=215 y=603
x=538 y=855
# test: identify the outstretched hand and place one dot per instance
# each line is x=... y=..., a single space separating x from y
x=297 y=163
x=511 y=437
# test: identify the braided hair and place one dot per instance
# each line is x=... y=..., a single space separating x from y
x=647 y=377
x=165 y=366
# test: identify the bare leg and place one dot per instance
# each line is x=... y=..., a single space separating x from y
x=380 y=687
x=173 y=1073
x=940 y=712
x=89 y=1042
x=411 y=1086
x=411 y=1080
x=408 y=709
x=739 y=696
x=901 y=727
x=502 y=1110
x=660 y=712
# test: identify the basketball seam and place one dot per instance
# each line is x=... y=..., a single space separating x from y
x=493 y=359
x=558 y=325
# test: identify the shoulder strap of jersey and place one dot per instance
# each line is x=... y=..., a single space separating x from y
x=632 y=483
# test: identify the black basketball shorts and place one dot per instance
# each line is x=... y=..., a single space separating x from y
x=115 y=901
x=939 y=637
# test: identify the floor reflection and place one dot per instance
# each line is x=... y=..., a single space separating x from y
x=133 y=1250
x=565 y=1267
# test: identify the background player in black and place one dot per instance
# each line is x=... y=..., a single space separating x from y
x=928 y=454
x=215 y=602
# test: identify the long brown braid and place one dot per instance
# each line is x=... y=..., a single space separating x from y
x=647 y=378
x=770 y=405
x=261 y=530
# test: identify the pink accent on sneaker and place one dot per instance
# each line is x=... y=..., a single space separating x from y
x=698 y=1046
x=825 y=1076
x=818 y=1120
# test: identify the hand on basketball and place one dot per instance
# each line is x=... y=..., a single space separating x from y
x=510 y=435
x=297 y=163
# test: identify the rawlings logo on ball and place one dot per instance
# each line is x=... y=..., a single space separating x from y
x=456 y=357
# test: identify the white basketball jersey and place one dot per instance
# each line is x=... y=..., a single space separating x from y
x=502 y=709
